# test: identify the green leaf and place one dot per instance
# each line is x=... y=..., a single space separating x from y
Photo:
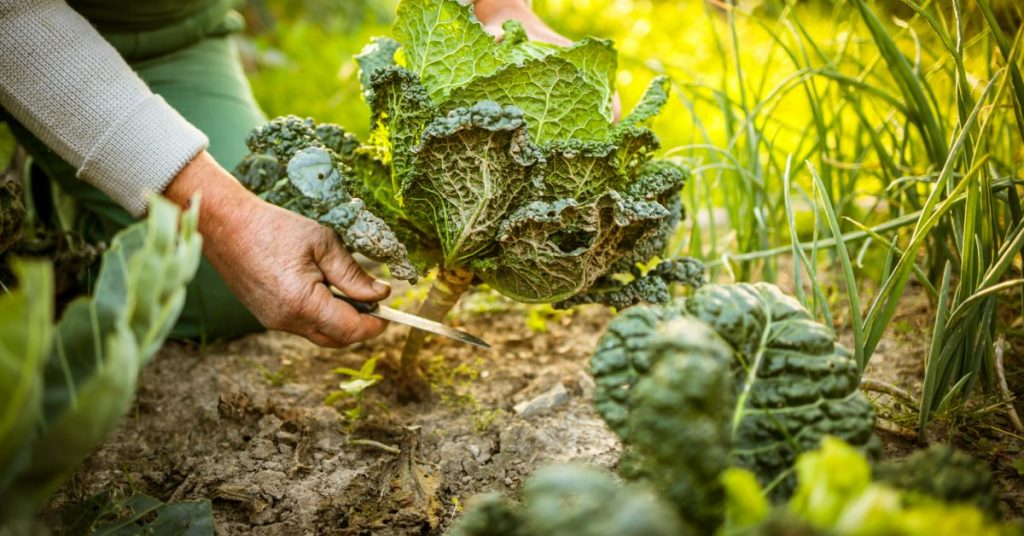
x=187 y=518
x=682 y=406
x=571 y=498
x=356 y=386
x=443 y=44
x=101 y=343
x=551 y=250
x=745 y=503
x=470 y=169
x=26 y=336
x=795 y=384
x=515 y=46
x=400 y=111
x=296 y=164
x=582 y=169
x=828 y=480
x=377 y=54
x=564 y=95
x=650 y=104
x=312 y=171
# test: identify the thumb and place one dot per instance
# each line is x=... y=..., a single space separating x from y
x=342 y=271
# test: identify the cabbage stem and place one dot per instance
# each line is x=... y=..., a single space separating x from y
x=449 y=285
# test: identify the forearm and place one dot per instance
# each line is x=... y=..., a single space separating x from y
x=73 y=91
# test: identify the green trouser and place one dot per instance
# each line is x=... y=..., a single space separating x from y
x=203 y=81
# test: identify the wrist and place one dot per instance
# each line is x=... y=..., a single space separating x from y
x=223 y=200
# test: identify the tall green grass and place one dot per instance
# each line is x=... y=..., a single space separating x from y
x=910 y=145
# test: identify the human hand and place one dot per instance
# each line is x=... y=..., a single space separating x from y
x=493 y=13
x=276 y=262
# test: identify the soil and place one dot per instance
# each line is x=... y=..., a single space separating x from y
x=245 y=424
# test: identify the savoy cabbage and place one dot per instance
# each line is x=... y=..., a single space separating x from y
x=497 y=162
x=790 y=382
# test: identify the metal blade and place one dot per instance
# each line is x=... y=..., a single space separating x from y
x=418 y=322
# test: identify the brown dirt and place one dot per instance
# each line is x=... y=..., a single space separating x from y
x=245 y=424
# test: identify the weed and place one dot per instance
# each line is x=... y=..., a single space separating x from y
x=353 y=389
x=277 y=377
x=452 y=385
x=539 y=315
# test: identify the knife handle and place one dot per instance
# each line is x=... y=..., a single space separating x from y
x=362 y=307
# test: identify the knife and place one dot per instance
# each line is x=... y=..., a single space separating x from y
x=401 y=317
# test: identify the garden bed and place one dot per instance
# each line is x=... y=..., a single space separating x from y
x=245 y=424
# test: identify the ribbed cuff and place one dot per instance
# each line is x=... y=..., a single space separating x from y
x=141 y=153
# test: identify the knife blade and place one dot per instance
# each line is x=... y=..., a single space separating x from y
x=408 y=319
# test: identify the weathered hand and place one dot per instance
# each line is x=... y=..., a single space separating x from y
x=494 y=13
x=278 y=262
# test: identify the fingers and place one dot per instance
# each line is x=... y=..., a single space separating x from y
x=334 y=323
x=342 y=271
x=311 y=310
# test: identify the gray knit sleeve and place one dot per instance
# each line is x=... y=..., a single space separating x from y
x=70 y=88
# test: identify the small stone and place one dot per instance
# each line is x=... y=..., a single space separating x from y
x=543 y=403
x=293 y=390
x=287 y=437
x=484 y=457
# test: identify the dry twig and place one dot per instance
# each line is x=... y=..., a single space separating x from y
x=375 y=444
x=878 y=386
x=896 y=429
